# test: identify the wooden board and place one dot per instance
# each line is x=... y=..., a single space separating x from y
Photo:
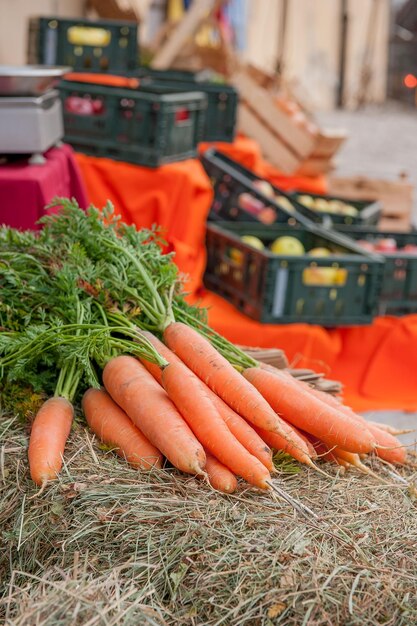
x=272 y=147
x=328 y=143
x=262 y=104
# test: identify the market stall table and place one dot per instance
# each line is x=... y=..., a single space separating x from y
x=25 y=189
x=377 y=364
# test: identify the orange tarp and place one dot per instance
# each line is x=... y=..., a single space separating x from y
x=377 y=363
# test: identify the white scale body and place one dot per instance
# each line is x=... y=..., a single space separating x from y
x=30 y=124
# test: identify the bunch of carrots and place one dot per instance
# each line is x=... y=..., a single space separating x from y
x=101 y=304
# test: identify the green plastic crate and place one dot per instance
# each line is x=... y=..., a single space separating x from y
x=103 y=46
x=127 y=125
x=399 y=286
x=222 y=100
x=279 y=289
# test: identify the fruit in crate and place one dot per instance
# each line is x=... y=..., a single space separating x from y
x=387 y=245
x=320 y=204
x=319 y=252
x=268 y=215
x=324 y=205
x=410 y=248
x=249 y=203
x=283 y=202
x=264 y=187
x=253 y=241
x=349 y=210
x=288 y=246
x=366 y=245
x=308 y=201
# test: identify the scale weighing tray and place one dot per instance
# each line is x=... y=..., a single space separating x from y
x=30 y=125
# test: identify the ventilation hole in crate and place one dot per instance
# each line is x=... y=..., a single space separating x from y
x=97 y=52
x=78 y=51
x=339 y=307
x=123 y=42
x=319 y=307
x=252 y=269
x=361 y=280
x=104 y=63
x=299 y=306
x=87 y=62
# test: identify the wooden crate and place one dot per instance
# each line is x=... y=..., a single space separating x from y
x=293 y=148
x=396 y=197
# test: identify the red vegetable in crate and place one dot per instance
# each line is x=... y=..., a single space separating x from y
x=249 y=203
x=387 y=245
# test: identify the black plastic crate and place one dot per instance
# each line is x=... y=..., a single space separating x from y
x=399 y=286
x=128 y=125
x=238 y=199
x=222 y=99
x=92 y=46
x=365 y=212
x=338 y=290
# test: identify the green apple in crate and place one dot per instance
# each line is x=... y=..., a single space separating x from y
x=287 y=246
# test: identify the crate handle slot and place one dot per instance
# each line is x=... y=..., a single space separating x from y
x=182 y=115
x=324 y=276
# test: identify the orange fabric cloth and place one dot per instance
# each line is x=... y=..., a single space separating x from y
x=247 y=152
x=175 y=196
x=377 y=364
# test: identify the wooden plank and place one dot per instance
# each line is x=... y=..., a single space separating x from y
x=297 y=139
x=185 y=29
x=328 y=143
x=272 y=148
x=315 y=166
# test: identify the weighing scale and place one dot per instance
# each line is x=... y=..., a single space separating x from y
x=31 y=119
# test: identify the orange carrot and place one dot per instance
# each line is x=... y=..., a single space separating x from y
x=208 y=426
x=383 y=436
x=113 y=427
x=150 y=409
x=50 y=431
x=300 y=452
x=220 y=477
x=310 y=414
x=396 y=453
x=217 y=373
x=243 y=432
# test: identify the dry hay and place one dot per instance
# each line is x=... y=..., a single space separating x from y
x=105 y=545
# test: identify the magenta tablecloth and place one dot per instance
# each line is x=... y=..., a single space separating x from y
x=26 y=189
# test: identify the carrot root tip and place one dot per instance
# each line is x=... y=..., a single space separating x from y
x=41 y=490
